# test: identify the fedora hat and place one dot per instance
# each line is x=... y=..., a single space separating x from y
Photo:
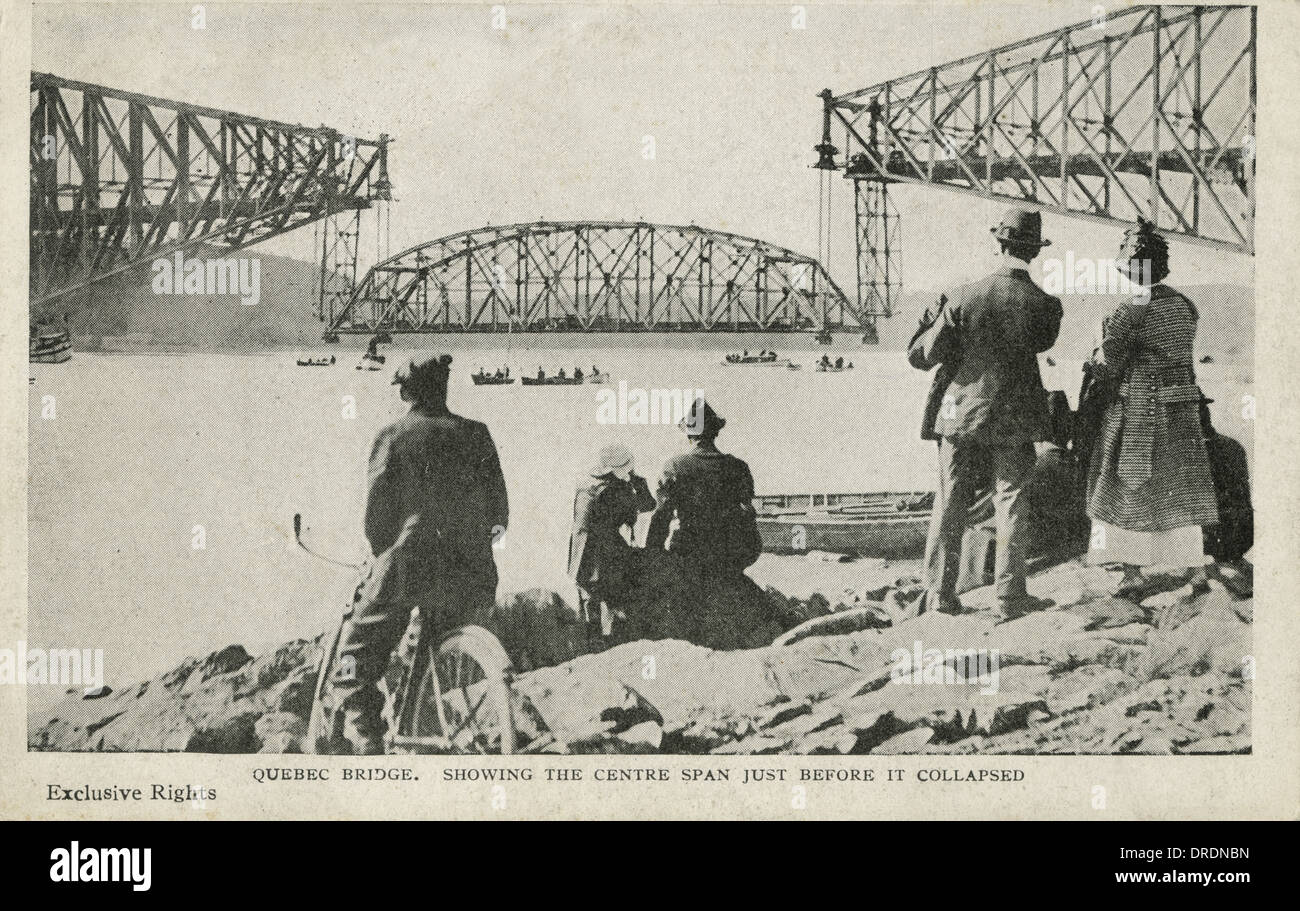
x=612 y=459
x=702 y=420
x=1021 y=226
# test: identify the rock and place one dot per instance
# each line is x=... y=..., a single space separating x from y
x=905 y=743
x=280 y=732
x=226 y=735
x=1203 y=644
x=1090 y=676
x=1105 y=613
x=782 y=712
x=1086 y=687
x=1238 y=577
x=97 y=692
x=230 y=658
x=871 y=616
x=641 y=738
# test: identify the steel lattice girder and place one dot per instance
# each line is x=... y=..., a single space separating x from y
x=118 y=179
x=595 y=276
x=1148 y=112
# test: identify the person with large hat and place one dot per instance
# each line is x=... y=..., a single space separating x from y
x=602 y=562
x=435 y=503
x=987 y=407
x=1150 y=487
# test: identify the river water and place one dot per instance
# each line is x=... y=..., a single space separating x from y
x=149 y=456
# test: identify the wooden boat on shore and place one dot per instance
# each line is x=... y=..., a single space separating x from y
x=882 y=524
x=49 y=347
x=316 y=361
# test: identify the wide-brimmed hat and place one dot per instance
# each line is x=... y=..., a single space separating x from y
x=1021 y=226
x=424 y=374
x=702 y=420
x=612 y=459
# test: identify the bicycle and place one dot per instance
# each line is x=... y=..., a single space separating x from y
x=453 y=698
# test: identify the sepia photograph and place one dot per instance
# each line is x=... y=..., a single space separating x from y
x=466 y=379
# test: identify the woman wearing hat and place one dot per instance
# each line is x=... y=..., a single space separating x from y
x=1149 y=484
x=601 y=561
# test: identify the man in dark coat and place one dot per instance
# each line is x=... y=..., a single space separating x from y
x=601 y=561
x=987 y=406
x=436 y=502
x=710 y=494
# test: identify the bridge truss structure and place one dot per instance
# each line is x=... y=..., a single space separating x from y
x=119 y=179
x=1147 y=112
x=595 y=277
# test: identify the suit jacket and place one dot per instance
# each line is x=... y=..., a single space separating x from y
x=987 y=336
x=711 y=494
x=435 y=500
x=599 y=557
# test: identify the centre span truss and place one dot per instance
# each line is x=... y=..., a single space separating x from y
x=595 y=277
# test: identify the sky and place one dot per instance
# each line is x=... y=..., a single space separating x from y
x=549 y=116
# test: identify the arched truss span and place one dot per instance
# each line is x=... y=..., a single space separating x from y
x=595 y=277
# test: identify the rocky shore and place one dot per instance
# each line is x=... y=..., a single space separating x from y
x=1161 y=664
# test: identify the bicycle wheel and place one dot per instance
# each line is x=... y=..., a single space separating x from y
x=460 y=697
x=319 y=739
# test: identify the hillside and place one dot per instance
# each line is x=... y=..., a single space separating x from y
x=125 y=313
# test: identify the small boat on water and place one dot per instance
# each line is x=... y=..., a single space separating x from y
x=564 y=380
x=768 y=359
x=491 y=379
x=49 y=346
x=577 y=378
x=881 y=524
x=316 y=361
x=837 y=367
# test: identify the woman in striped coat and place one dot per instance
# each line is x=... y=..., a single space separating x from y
x=1149 y=484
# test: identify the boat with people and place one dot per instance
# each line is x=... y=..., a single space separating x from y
x=762 y=359
x=316 y=361
x=49 y=346
x=500 y=378
x=564 y=379
x=826 y=365
x=878 y=524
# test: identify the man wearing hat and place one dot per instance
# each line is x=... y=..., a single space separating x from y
x=987 y=407
x=435 y=502
x=710 y=494
x=601 y=561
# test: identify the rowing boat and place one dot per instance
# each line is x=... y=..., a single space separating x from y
x=879 y=524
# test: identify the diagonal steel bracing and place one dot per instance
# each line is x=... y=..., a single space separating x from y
x=1146 y=112
x=595 y=277
x=119 y=179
